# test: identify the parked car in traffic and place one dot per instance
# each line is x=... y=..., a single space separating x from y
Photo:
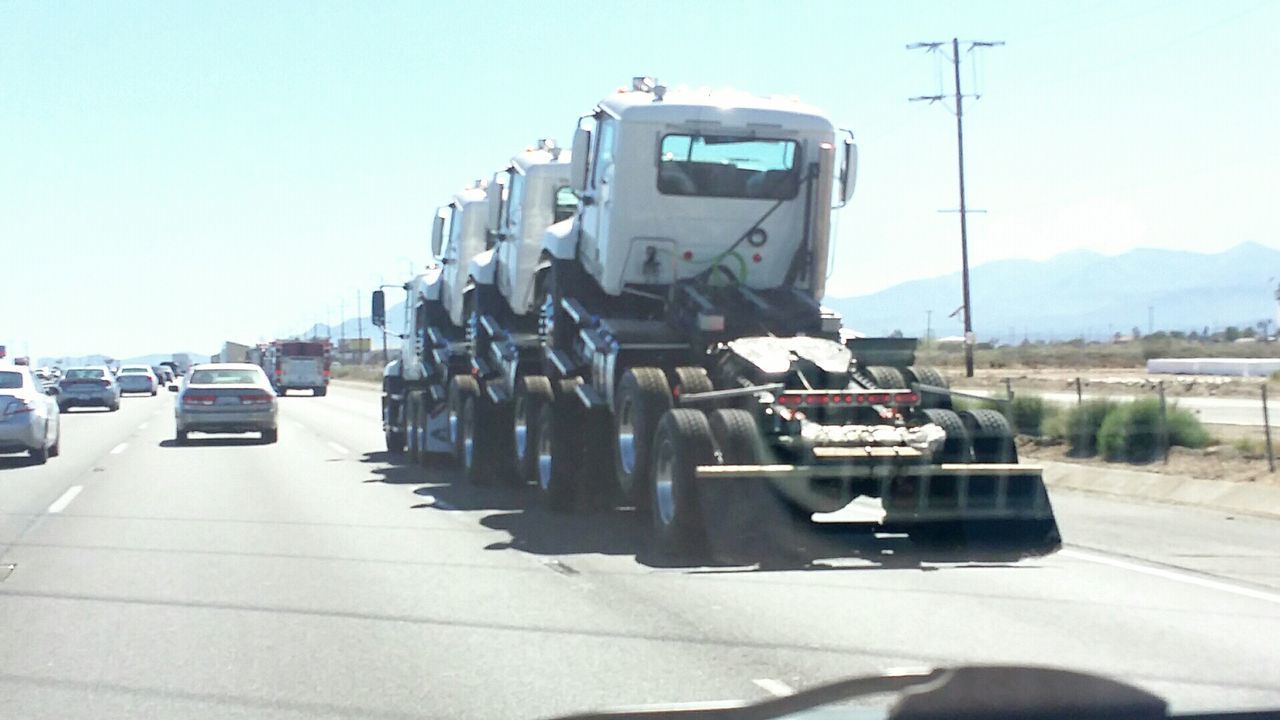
x=137 y=379
x=30 y=421
x=225 y=398
x=89 y=387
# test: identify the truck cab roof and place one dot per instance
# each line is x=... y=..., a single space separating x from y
x=728 y=108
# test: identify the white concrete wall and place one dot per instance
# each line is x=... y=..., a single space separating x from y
x=1240 y=367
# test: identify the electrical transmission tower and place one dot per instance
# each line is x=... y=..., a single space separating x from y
x=969 y=338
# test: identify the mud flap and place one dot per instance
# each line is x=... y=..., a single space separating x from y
x=1005 y=513
x=438 y=440
x=746 y=521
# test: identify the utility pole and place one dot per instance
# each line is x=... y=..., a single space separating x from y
x=928 y=326
x=969 y=338
x=1151 y=319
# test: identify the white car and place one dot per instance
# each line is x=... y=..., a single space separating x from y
x=29 y=418
x=225 y=398
x=137 y=379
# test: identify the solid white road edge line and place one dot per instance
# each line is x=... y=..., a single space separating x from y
x=774 y=687
x=338 y=448
x=61 y=503
x=119 y=448
x=1187 y=578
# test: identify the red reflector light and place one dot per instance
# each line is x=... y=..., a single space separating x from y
x=878 y=399
x=906 y=399
x=819 y=399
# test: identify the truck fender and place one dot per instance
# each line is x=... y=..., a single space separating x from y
x=483 y=267
x=560 y=241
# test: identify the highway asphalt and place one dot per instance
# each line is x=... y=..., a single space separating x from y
x=320 y=577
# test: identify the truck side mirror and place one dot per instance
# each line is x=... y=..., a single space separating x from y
x=379 y=313
x=848 y=169
x=437 y=232
x=578 y=160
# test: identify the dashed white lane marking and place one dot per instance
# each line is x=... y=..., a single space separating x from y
x=774 y=687
x=1174 y=575
x=338 y=448
x=119 y=448
x=143 y=426
x=61 y=503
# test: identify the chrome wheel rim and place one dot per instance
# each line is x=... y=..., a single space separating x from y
x=664 y=484
x=521 y=427
x=544 y=451
x=626 y=438
x=468 y=428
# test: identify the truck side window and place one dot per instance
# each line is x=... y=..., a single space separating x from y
x=515 y=199
x=604 y=148
x=566 y=203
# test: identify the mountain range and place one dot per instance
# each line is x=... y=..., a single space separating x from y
x=1081 y=294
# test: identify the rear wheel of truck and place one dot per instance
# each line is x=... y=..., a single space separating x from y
x=395 y=441
x=958 y=447
x=640 y=401
x=682 y=442
x=885 y=377
x=991 y=435
x=463 y=393
x=533 y=393
x=929 y=375
x=560 y=425
x=690 y=379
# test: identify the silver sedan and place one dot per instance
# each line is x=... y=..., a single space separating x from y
x=137 y=379
x=29 y=417
x=225 y=398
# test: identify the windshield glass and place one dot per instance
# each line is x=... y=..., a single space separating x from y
x=10 y=380
x=225 y=377
x=727 y=166
x=132 y=370
x=302 y=349
x=84 y=373
x=566 y=203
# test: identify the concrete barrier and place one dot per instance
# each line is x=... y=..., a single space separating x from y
x=1245 y=498
x=1238 y=367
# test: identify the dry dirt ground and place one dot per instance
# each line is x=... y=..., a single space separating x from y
x=1217 y=462
x=1108 y=381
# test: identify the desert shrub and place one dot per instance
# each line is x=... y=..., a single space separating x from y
x=1081 y=424
x=1029 y=413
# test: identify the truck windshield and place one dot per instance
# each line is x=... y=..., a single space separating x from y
x=728 y=166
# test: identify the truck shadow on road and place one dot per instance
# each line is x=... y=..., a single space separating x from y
x=196 y=442
x=788 y=545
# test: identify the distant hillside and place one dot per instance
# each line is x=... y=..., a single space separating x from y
x=153 y=359
x=1082 y=294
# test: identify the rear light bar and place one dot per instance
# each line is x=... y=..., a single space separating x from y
x=842 y=398
x=198 y=399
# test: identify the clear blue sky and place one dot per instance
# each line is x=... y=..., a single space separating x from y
x=240 y=169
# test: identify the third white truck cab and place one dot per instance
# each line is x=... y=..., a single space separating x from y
x=458 y=237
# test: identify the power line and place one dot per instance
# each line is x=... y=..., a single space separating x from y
x=937 y=47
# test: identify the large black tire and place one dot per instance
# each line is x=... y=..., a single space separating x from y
x=463 y=394
x=181 y=437
x=958 y=447
x=991 y=435
x=560 y=447
x=690 y=379
x=533 y=393
x=885 y=377
x=639 y=403
x=929 y=375
x=411 y=434
x=682 y=443
x=395 y=441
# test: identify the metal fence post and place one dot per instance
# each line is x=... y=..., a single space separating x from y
x=1079 y=392
x=1266 y=427
x=1164 y=426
